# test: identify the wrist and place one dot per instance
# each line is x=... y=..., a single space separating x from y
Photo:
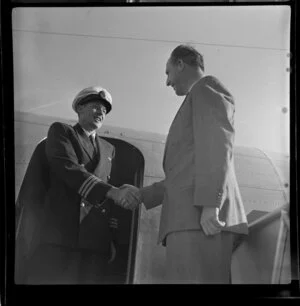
x=111 y=192
x=209 y=207
x=141 y=194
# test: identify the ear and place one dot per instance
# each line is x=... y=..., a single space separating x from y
x=180 y=64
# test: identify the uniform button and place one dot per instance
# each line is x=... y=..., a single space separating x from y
x=108 y=177
x=103 y=211
x=82 y=204
x=109 y=158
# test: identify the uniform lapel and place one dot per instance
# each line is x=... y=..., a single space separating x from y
x=102 y=154
x=84 y=140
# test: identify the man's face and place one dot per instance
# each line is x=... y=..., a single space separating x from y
x=174 y=77
x=92 y=115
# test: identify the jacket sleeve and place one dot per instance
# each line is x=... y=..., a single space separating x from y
x=153 y=195
x=64 y=163
x=213 y=137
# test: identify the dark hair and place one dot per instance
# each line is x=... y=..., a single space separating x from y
x=188 y=55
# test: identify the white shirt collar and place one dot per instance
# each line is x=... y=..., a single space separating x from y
x=88 y=134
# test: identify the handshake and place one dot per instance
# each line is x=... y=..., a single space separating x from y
x=126 y=196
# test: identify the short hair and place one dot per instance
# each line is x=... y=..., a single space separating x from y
x=188 y=55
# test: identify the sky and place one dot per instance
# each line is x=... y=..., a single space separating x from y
x=59 y=51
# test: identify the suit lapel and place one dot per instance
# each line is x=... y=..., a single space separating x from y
x=186 y=100
x=165 y=150
x=84 y=140
x=170 y=131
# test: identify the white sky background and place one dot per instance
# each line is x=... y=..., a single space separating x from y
x=245 y=47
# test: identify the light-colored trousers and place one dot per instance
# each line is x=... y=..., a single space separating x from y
x=194 y=258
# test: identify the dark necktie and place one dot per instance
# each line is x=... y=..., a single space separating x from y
x=93 y=141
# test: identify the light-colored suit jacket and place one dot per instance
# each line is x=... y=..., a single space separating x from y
x=198 y=163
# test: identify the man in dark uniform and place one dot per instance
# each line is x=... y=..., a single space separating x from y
x=70 y=240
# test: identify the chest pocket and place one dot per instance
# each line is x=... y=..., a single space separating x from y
x=107 y=165
x=102 y=169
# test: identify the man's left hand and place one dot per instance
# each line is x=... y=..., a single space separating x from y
x=210 y=222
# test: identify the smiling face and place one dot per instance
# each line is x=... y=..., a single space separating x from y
x=91 y=115
x=175 y=77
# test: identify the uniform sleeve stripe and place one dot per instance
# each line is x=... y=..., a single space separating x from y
x=84 y=183
x=89 y=185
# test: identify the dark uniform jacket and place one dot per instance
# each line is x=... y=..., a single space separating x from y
x=65 y=181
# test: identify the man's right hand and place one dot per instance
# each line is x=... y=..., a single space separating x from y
x=135 y=193
x=126 y=196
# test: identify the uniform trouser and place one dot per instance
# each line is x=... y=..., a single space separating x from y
x=193 y=257
x=52 y=264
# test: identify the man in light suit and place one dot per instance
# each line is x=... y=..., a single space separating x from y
x=65 y=221
x=202 y=209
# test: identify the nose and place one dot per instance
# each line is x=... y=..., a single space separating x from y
x=102 y=114
x=101 y=111
x=168 y=82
